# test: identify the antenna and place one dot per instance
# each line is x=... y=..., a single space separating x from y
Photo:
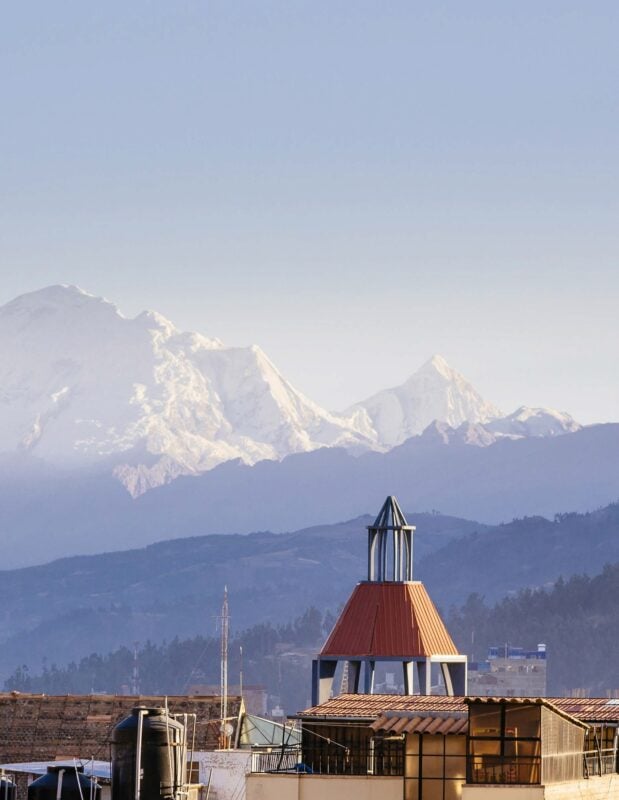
x=241 y=671
x=225 y=621
x=135 y=676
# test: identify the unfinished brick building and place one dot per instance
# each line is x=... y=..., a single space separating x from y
x=39 y=727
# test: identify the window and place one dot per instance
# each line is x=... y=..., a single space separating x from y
x=504 y=744
x=435 y=766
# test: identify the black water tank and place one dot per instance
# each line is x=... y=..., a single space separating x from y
x=7 y=788
x=68 y=783
x=162 y=767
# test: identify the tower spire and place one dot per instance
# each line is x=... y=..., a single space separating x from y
x=390 y=560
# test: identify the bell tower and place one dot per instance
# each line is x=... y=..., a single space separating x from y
x=389 y=617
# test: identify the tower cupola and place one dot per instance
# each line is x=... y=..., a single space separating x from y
x=390 y=545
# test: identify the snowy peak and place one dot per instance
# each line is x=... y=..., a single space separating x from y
x=524 y=423
x=527 y=421
x=80 y=383
x=58 y=299
x=434 y=392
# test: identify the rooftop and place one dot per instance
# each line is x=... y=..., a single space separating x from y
x=373 y=706
x=389 y=620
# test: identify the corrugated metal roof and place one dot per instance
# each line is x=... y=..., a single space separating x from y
x=591 y=709
x=102 y=770
x=389 y=620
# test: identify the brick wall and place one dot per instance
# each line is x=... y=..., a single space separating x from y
x=35 y=727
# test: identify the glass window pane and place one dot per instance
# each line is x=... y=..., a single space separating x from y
x=485 y=719
x=412 y=766
x=455 y=767
x=433 y=790
x=485 y=747
x=432 y=744
x=522 y=720
x=411 y=790
x=455 y=745
x=431 y=767
x=412 y=743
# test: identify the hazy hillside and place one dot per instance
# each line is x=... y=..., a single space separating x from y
x=47 y=514
x=572 y=617
x=526 y=552
x=578 y=619
x=77 y=605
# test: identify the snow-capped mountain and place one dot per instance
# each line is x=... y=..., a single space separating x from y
x=527 y=421
x=80 y=383
x=434 y=392
x=524 y=423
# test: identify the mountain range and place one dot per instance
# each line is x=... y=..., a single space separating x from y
x=82 y=386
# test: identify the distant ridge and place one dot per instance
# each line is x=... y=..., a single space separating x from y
x=58 y=513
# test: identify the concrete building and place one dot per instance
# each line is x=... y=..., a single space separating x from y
x=509 y=672
x=447 y=748
x=462 y=745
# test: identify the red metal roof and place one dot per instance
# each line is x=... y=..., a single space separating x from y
x=389 y=620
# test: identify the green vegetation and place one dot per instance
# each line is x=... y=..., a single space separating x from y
x=277 y=657
x=578 y=619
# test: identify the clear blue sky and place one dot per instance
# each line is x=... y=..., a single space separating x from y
x=352 y=185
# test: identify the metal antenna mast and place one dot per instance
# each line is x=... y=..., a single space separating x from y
x=225 y=619
x=135 y=677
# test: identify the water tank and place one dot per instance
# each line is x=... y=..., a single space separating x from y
x=7 y=788
x=64 y=783
x=157 y=756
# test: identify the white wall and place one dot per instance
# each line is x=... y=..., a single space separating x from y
x=227 y=770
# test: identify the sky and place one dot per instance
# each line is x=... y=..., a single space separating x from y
x=354 y=186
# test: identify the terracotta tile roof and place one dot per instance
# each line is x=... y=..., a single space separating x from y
x=374 y=706
x=395 y=723
x=590 y=709
x=389 y=620
x=371 y=706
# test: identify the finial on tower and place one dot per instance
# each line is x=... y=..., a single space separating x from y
x=393 y=563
